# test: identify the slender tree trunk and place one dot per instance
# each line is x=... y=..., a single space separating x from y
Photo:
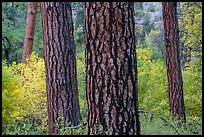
x=175 y=82
x=60 y=64
x=111 y=72
x=30 y=29
x=13 y=15
x=182 y=56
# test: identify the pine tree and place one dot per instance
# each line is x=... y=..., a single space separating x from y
x=111 y=72
x=171 y=41
x=29 y=32
x=60 y=64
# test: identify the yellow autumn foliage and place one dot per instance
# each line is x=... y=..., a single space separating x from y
x=32 y=77
x=12 y=96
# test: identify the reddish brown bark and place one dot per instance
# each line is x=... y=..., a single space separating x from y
x=60 y=64
x=30 y=29
x=175 y=82
x=111 y=73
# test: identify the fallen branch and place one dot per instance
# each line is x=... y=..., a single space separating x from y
x=75 y=127
x=143 y=111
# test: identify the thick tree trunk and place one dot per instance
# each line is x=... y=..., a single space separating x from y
x=111 y=73
x=30 y=29
x=60 y=63
x=175 y=82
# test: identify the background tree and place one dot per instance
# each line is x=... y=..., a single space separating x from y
x=175 y=82
x=143 y=23
x=149 y=27
x=78 y=19
x=111 y=72
x=60 y=64
x=30 y=29
x=13 y=35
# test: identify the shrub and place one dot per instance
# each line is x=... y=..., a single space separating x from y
x=19 y=128
x=24 y=95
x=152 y=86
x=151 y=124
x=151 y=8
x=192 y=85
x=152 y=83
x=32 y=77
x=80 y=130
x=81 y=76
x=12 y=96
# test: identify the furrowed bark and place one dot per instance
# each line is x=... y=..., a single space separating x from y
x=60 y=64
x=111 y=73
x=175 y=82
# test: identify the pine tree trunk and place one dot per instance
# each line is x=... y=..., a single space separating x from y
x=30 y=29
x=60 y=63
x=111 y=73
x=175 y=82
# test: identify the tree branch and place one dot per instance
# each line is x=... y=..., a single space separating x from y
x=189 y=33
x=143 y=111
x=195 y=3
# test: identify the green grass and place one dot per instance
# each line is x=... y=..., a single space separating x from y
x=151 y=124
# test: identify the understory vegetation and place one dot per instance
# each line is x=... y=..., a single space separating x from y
x=24 y=91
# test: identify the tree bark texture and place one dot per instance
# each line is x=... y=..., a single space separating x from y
x=30 y=29
x=171 y=40
x=111 y=72
x=60 y=64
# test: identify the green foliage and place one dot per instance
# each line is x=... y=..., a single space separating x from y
x=138 y=8
x=153 y=96
x=81 y=130
x=152 y=125
x=143 y=24
x=78 y=21
x=147 y=24
x=19 y=128
x=13 y=29
x=152 y=83
x=151 y=8
x=81 y=76
x=192 y=80
x=156 y=125
x=152 y=86
x=190 y=25
x=154 y=40
x=24 y=88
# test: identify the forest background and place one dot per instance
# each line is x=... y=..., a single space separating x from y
x=24 y=91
